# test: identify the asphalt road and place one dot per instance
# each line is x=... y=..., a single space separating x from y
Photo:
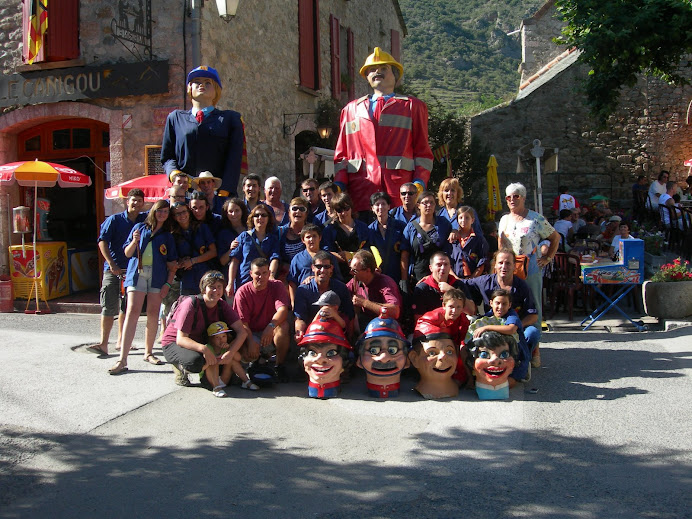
x=606 y=435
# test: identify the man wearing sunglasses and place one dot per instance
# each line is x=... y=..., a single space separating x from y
x=371 y=290
x=310 y=190
x=307 y=293
x=408 y=194
x=383 y=139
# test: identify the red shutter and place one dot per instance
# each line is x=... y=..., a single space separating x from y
x=335 y=38
x=62 y=37
x=351 y=65
x=308 y=43
x=396 y=46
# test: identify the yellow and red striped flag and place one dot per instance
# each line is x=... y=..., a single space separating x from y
x=442 y=154
x=38 y=23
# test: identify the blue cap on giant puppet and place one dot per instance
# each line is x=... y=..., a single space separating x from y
x=383 y=326
x=204 y=71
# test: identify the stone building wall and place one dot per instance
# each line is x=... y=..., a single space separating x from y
x=536 y=35
x=648 y=132
x=257 y=55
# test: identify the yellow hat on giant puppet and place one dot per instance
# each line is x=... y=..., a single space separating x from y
x=380 y=57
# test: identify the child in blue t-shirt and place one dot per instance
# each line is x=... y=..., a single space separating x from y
x=501 y=305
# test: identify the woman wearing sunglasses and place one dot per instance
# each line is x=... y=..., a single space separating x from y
x=259 y=241
x=290 y=243
x=521 y=231
x=345 y=236
x=152 y=252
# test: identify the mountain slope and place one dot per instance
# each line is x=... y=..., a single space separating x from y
x=458 y=52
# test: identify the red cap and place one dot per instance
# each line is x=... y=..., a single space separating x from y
x=427 y=330
x=324 y=331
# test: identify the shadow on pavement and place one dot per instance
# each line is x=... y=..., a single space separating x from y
x=483 y=474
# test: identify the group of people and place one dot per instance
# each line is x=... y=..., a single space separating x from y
x=252 y=286
x=232 y=279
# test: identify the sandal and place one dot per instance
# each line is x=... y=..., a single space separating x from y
x=118 y=369
x=96 y=350
x=219 y=392
x=151 y=359
x=248 y=384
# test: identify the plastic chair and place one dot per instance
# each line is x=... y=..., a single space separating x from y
x=565 y=280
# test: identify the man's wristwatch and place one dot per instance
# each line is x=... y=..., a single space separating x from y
x=271 y=324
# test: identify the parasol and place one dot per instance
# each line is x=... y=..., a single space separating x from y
x=37 y=173
x=494 y=199
x=153 y=186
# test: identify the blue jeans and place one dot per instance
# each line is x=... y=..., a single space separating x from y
x=532 y=336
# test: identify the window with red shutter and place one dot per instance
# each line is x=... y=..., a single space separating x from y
x=396 y=46
x=61 y=41
x=335 y=40
x=309 y=43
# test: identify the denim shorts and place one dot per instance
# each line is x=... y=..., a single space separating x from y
x=144 y=282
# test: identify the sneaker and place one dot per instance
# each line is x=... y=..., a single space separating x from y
x=180 y=375
x=249 y=385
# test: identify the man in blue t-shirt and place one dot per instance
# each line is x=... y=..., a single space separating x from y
x=114 y=231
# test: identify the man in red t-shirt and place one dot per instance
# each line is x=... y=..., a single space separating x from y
x=263 y=307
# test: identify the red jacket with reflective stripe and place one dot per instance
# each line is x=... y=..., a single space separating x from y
x=372 y=157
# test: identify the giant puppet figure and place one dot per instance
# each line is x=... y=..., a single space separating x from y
x=435 y=356
x=205 y=138
x=383 y=350
x=492 y=357
x=324 y=351
x=383 y=137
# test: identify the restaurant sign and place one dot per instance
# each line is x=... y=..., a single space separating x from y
x=71 y=84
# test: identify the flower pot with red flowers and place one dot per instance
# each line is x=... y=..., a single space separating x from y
x=668 y=295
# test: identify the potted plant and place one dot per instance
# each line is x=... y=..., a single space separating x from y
x=668 y=294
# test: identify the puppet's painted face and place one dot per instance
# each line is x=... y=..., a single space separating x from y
x=437 y=360
x=322 y=363
x=493 y=367
x=383 y=357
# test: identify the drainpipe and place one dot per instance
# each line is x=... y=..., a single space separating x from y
x=195 y=33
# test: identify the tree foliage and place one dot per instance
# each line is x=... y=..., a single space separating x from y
x=620 y=39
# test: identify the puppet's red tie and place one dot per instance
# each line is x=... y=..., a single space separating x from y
x=200 y=116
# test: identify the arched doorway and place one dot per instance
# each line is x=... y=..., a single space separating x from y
x=73 y=215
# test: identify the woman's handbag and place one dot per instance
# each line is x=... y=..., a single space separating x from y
x=521 y=266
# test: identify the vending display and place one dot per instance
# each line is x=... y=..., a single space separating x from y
x=83 y=265
x=629 y=269
x=48 y=264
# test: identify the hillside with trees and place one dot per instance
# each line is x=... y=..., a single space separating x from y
x=458 y=52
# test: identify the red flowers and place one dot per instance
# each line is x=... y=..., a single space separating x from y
x=675 y=271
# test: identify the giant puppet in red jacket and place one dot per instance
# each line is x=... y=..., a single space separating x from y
x=383 y=138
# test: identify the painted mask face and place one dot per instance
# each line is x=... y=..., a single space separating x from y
x=493 y=367
x=382 y=358
x=438 y=358
x=322 y=363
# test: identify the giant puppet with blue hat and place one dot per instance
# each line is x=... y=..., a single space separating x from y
x=383 y=350
x=383 y=137
x=205 y=138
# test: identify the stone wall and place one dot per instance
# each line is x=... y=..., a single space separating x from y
x=536 y=35
x=648 y=133
x=256 y=53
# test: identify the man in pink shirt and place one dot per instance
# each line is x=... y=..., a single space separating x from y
x=263 y=307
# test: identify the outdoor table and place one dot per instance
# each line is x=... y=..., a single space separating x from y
x=626 y=273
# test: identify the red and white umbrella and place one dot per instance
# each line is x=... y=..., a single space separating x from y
x=36 y=173
x=155 y=188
